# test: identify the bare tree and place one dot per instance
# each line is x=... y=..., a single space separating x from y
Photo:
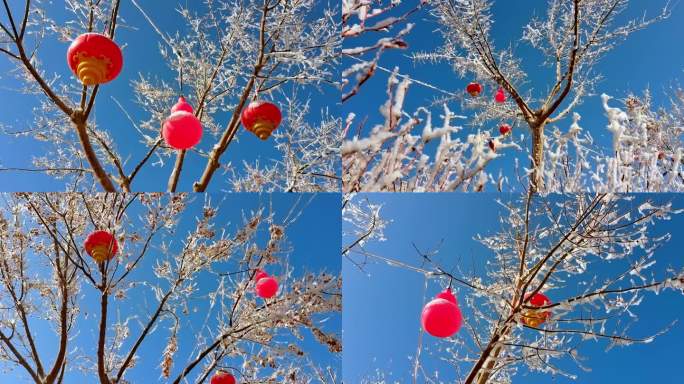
x=572 y=37
x=46 y=277
x=225 y=56
x=556 y=246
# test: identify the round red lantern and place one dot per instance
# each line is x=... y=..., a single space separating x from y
x=95 y=58
x=500 y=96
x=441 y=317
x=261 y=118
x=182 y=129
x=504 y=129
x=222 y=377
x=474 y=89
x=535 y=318
x=101 y=246
x=266 y=287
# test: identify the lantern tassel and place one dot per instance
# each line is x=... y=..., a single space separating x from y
x=101 y=253
x=92 y=70
x=533 y=318
x=263 y=129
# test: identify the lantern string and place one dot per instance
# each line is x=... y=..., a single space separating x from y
x=419 y=347
x=236 y=272
x=180 y=76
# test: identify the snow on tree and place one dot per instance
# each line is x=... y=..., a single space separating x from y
x=554 y=245
x=572 y=36
x=227 y=54
x=199 y=287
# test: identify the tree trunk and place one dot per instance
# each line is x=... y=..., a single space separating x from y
x=537 y=177
x=101 y=364
x=481 y=371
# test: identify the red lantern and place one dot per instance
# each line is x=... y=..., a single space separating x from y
x=535 y=318
x=474 y=89
x=504 y=129
x=261 y=118
x=95 y=58
x=441 y=316
x=500 y=96
x=222 y=377
x=266 y=286
x=101 y=246
x=182 y=129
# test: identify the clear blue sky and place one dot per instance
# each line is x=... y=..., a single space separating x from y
x=649 y=58
x=315 y=243
x=382 y=306
x=141 y=56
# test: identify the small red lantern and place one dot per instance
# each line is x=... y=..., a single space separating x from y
x=182 y=129
x=535 y=318
x=261 y=118
x=441 y=316
x=504 y=129
x=101 y=246
x=474 y=89
x=222 y=377
x=95 y=58
x=267 y=287
x=500 y=96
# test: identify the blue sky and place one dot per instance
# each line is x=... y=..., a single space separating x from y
x=382 y=306
x=141 y=56
x=315 y=242
x=648 y=59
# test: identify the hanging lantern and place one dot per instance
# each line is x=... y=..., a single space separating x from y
x=266 y=286
x=441 y=316
x=535 y=318
x=474 y=89
x=94 y=58
x=101 y=246
x=504 y=129
x=261 y=118
x=500 y=96
x=222 y=377
x=182 y=129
